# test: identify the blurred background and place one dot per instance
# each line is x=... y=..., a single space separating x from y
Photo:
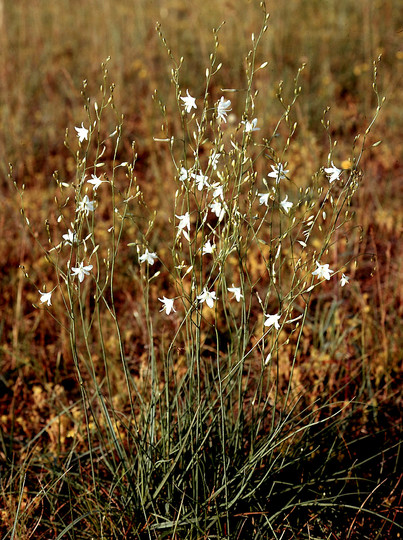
x=49 y=48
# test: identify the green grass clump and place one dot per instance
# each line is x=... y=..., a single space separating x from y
x=197 y=365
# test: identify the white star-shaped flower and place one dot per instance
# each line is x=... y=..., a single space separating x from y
x=272 y=320
x=278 y=172
x=168 y=304
x=264 y=198
x=208 y=248
x=286 y=205
x=95 y=181
x=189 y=102
x=148 y=257
x=344 y=280
x=215 y=156
x=218 y=192
x=322 y=271
x=70 y=237
x=81 y=271
x=82 y=132
x=201 y=180
x=333 y=173
x=223 y=108
x=208 y=297
x=85 y=205
x=46 y=297
x=184 y=221
x=236 y=292
x=250 y=126
x=218 y=209
x=183 y=174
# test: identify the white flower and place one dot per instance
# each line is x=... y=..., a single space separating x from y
x=95 y=181
x=236 y=291
x=183 y=174
x=264 y=198
x=82 y=132
x=148 y=257
x=189 y=102
x=286 y=205
x=46 y=297
x=218 y=209
x=250 y=126
x=201 y=180
x=184 y=221
x=273 y=320
x=223 y=108
x=208 y=297
x=333 y=173
x=168 y=304
x=81 y=271
x=70 y=238
x=322 y=271
x=278 y=172
x=218 y=191
x=208 y=248
x=344 y=280
x=215 y=156
x=85 y=205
